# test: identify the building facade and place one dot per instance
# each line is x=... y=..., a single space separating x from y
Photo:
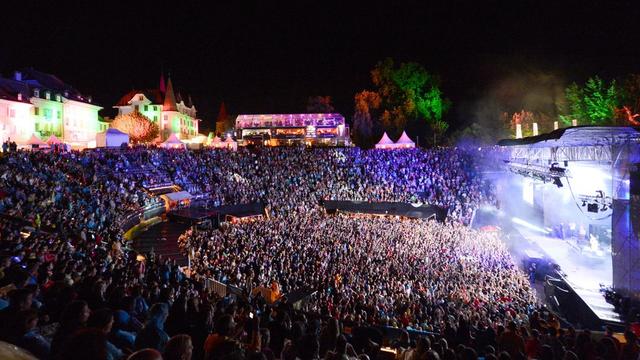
x=33 y=102
x=163 y=107
x=292 y=129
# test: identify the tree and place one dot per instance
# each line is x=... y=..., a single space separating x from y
x=319 y=104
x=628 y=113
x=224 y=122
x=411 y=98
x=138 y=126
x=594 y=103
x=366 y=102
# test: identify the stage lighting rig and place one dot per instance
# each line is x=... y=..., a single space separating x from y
x=596 y=203
x=545 y=174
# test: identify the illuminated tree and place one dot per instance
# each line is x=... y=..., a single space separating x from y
x=366 y=103
x=319 y=104
x=138 y=126
x=594 y=103
x=411 y=98
x=628 y=113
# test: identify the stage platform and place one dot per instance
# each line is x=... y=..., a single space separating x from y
x=584 y=271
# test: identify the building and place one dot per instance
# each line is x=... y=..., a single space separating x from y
x=292 y=129
x=163 y=107
x=36 y=102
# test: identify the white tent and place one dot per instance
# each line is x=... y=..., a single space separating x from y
x=111 y=138
x=405 y=142
x=230 y=143
x=173 y=143
x=35 y=142
x=385 y=142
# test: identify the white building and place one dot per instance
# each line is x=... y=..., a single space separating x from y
x=35 y=102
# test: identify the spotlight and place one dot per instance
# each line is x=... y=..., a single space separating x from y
x=557 y=182
x=584 y=203
x=604 y=207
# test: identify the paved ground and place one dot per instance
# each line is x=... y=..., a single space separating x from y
x=154 y=237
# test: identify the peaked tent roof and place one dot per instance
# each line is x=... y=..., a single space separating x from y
x=229 y=139
x=34 y=140
x=216 y=139
x=173 y=139
x=53 y=140
x=385 y=140
x=404 y=139
x=169 y=98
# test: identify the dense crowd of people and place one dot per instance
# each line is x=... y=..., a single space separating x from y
x=384 y=270
x=71 y=288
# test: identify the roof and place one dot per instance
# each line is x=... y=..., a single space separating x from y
x=173 y=139
x=41 y=80
x=114 y=131
x=169 y=99
x=385 y=139
x=404 y=139
x=34 y=140
x=578 y=136
x=53 y=140
x=178 y=195
x=9 y=90
x=154 y=95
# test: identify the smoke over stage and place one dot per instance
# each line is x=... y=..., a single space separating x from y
x=569 y=197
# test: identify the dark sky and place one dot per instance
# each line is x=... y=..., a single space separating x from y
x=268 y=58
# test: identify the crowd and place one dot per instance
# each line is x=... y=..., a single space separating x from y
x=71 y=288
x=386 y=271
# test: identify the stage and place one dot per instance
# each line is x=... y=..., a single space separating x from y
x=581 y=269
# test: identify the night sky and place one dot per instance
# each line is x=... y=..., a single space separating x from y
x=269 y=58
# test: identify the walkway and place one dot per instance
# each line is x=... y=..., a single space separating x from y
x=152 y=238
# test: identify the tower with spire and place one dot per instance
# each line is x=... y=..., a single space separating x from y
x=164 y=107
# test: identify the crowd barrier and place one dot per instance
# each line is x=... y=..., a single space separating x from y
x=216 y=287
x=133 y=218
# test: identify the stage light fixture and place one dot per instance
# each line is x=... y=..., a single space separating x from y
x=584 y=203
x=604 y=208
x=592 y=208
x=557 y=182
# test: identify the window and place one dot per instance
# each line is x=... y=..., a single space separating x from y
x=47 y=95
x=58 y=114
x=58 y=98
x=36 y=111
x=155 y=118
x=166 y=117
x=36 y=93
x=37 y=126
x=146 y=108
x=137 y=107
x=140 y=98
x=47 y=113
x=155 y=108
